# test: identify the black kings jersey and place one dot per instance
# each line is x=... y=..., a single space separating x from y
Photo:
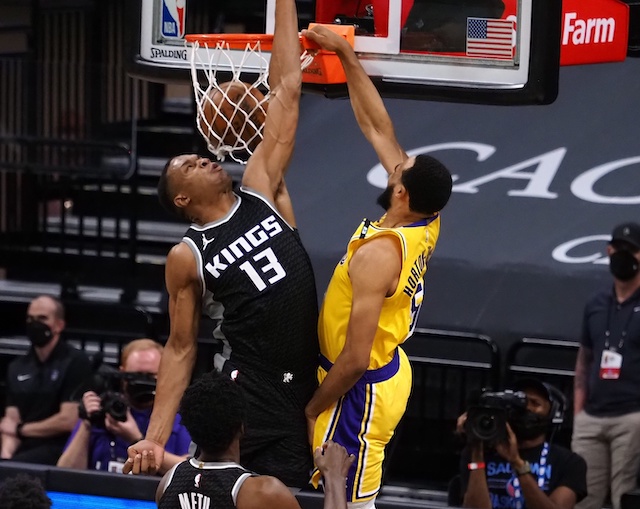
x=253 y=264
x=254 y=269
x=203 y=485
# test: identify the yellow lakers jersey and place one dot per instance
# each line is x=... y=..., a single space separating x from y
x=400 y=310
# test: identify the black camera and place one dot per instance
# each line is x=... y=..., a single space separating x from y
x=487 y=420
x=110 y=384
x=105 y=382
x=113 y=404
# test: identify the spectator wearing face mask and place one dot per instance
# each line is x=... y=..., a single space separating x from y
x=40 y=411
x=112 y=419
x=606 y=428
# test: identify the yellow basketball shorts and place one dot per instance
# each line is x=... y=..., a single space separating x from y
x=364 y=420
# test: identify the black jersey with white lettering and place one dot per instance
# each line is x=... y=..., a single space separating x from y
x=252 y=265
x=203 y=485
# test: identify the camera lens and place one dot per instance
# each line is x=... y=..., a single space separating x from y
x=487 y=424
x=115 y=405
x=485 y=427
x=119 y=407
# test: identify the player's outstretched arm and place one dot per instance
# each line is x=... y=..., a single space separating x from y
x=177 y=361
x=373 y=271
x=370 y=112
x=268 y=164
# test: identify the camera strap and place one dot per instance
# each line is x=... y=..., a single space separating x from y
x=542 y=469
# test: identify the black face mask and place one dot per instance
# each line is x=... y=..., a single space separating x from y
x=40 y=334
x=623 y=265
x=529 y=426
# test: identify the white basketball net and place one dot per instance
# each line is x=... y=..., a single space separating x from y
x=241 y=133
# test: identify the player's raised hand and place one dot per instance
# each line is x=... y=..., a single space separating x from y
x=327 y=39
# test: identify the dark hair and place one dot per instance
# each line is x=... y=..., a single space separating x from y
x=213 y=410
x=23 y=492
x=428 y=183
x=165 y=194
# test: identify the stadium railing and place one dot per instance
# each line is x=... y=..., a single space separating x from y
x=448 y=366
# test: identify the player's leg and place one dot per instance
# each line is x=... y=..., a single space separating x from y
x=363 y=421
x=391 y=397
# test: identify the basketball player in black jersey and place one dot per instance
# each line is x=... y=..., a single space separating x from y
x=213 y=410
x=243 y=251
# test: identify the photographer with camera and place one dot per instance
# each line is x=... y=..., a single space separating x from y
x=116 y=413
x=509 y=461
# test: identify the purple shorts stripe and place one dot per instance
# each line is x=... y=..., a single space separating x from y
x=354 y=409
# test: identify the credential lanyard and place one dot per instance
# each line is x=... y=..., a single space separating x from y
x=542 y=469
x=623 y=335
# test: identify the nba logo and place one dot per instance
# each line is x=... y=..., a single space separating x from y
x=172 y=24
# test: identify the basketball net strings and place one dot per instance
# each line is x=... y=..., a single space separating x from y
x=220 y=57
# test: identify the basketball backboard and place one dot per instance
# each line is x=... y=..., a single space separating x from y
x=486 y=51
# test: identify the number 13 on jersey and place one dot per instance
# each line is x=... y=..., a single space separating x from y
x=272 y=271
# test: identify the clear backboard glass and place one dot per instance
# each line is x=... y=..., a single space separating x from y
x=488 y=51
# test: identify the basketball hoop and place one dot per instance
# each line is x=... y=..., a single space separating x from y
x=227 y=128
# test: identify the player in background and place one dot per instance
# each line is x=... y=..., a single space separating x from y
x=213 y=409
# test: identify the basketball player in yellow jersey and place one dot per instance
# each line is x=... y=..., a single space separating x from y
x=374 y=296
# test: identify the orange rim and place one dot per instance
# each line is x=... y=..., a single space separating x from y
x=235 y=41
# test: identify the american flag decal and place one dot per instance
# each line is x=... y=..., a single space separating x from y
x=490 y=38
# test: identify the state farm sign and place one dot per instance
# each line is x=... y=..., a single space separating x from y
x=594 y=31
